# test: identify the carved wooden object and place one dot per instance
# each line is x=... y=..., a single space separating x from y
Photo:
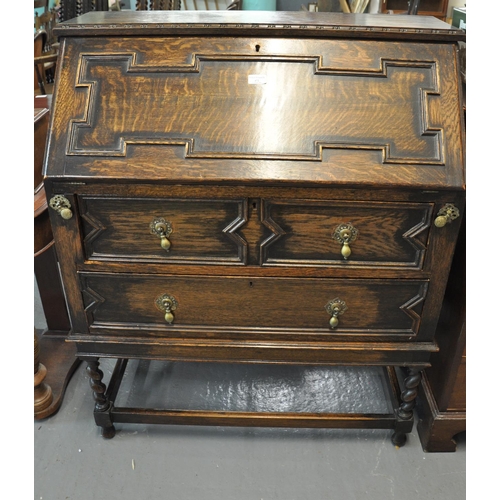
x=43 y=392
x=256 y=187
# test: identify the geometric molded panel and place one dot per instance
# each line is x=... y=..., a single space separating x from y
x=408 y=307
x=260 y=121
x=92 y=300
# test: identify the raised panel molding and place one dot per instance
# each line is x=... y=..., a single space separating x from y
x=409 y=307
x=337 y=119
x=92 y=300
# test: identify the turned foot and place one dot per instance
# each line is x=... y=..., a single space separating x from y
x=108 y=432
x=102 y=404
x=399 y=439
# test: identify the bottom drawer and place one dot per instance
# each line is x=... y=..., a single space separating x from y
x=252 y=308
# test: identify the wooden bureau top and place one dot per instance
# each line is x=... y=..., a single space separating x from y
x=261 y=23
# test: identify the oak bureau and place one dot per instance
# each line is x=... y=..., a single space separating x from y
x=256 y=187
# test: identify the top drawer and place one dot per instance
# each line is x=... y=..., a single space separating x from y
x=196 y=231
x=339 y=233
x=292 y=233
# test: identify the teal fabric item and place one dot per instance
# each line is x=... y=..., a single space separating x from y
x=259 y=5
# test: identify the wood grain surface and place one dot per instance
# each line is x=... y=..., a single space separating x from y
x=182 y=109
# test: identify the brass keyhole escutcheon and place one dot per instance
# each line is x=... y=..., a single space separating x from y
x=446 y=214
x=345 y=234
x=335 y=308
x=162 y=228
x=62 y=206
x=167 y=304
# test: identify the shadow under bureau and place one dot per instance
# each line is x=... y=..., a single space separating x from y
x=256 y=187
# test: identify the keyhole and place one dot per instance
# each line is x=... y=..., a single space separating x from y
x=250 y=283
x=254 y=205
x=257 y=48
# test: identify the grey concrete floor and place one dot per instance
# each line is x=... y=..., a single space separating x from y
x=72 y=461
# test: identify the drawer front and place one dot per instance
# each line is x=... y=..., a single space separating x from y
x=314 y=233
x=218 y=307
x=199 y=231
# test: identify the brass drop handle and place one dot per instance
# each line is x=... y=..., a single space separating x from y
x=446 y=214
x=162 y=228
x=167 y=303
x=345 y=234
x=62 y=206
x=169 y=317
x=335 y=308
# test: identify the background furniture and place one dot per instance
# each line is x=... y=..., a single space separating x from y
x=436 y=8
x=39 y=72
x=286 y=211
x=69 y=9
x=45 y=64
x=57 y=357
x=46 y=47
x=158 y=4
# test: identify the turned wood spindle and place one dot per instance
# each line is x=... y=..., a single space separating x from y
x=408 y=402
x=97 y=386
x=102 y=403
x=43 y=392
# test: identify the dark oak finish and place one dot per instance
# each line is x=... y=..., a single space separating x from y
x=256 y=23
x=253 y=137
